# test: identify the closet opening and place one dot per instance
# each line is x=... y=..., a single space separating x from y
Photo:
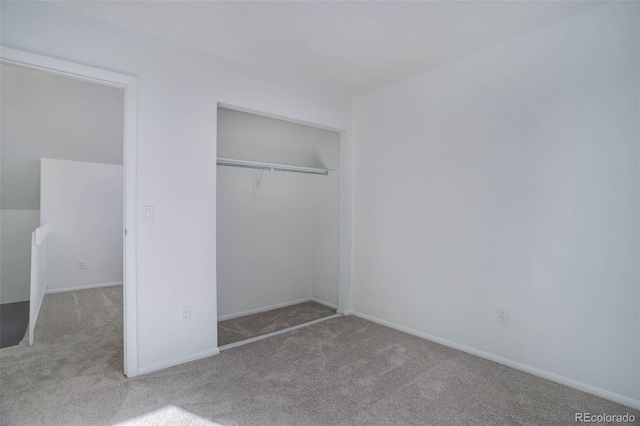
x=278 y=225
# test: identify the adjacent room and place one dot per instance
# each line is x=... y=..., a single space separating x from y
x=320 y=213
x=62 y=183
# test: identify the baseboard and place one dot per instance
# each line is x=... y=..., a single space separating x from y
x=584 y=387
x=264 y=309
x=327 y=304
x=84 y=287
x=178 y=361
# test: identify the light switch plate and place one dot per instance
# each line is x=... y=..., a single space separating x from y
x=147 y=213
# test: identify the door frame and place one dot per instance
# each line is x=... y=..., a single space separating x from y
x=130 y=86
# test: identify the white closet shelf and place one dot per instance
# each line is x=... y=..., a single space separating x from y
x=228 y=162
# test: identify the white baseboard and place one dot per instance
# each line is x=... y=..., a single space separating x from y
x=264 y=309
x=178 y=361
x=584 y=387
x=322 y=302
x=83 y=287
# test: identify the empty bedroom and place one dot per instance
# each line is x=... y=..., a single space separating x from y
x=330 y=213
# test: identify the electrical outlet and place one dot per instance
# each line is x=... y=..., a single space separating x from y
x=503 y=314
x=186 y=313
x=82 y=264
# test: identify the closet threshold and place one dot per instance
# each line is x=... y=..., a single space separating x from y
x=275 y=333
x=228 y=162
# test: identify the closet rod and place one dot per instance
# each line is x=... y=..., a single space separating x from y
x=270 y=167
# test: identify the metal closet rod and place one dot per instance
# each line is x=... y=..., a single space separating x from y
x=270 y=167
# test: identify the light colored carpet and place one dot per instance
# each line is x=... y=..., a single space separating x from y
x=243 y=328
x=338 y=372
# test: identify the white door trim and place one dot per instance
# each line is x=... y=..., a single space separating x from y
x=130 y=85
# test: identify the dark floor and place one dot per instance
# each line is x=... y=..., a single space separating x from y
x=14 y=318
x=242 y=328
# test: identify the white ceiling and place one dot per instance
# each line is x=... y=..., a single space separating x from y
x=350 y=46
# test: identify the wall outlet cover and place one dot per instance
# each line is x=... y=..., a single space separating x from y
x=503 y=314
x=186 y=313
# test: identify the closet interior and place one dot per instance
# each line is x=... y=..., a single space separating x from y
x=278 y=223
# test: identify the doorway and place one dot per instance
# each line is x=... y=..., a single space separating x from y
x=127 y=87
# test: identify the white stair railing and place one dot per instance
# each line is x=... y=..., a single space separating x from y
x=39 y=274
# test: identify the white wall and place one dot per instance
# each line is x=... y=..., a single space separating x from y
x=178 y=92
x=265 y=255
x=15 y=229
x=40 y=274
x=281 y=247
x=82 y=204
x=326 y=224
x=510 y=178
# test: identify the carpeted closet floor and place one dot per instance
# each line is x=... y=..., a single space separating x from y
x=338 y=372
x=242 y=328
